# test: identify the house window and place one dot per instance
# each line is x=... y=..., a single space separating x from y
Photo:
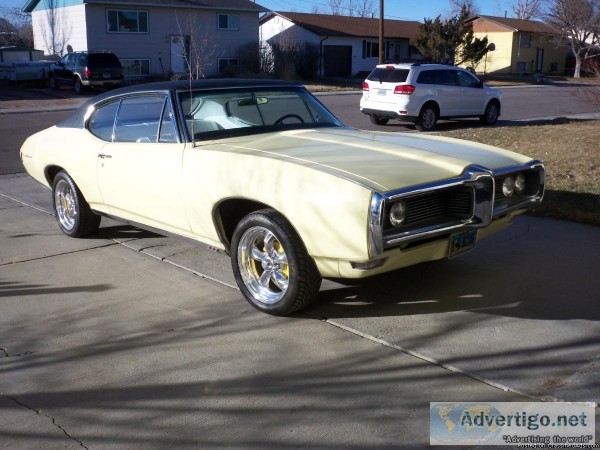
x=228 y=66
x=136 y=67
x=228 y=22
x=126 y=21
x=370 y=49
x=522 y=67
x=525 y=40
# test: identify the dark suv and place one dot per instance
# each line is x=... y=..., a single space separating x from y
x=85 y=69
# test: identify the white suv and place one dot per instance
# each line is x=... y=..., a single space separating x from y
x=424 y=93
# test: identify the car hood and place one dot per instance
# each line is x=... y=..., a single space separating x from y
x=379 y=161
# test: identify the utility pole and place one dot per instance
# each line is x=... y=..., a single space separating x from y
x=381 y=43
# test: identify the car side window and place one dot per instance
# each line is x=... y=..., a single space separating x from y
x=446 y=77
x=139 y=119
x=103 y=121
x=467 y=80
x=167 y=125
x=426 y=77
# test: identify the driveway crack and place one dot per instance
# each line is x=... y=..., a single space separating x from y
x=39 y=412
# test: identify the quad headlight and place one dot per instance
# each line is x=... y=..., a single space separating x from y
x=508 y=186
x=397 y=214
x=520 y=183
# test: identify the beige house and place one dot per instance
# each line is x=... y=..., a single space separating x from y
x=521 y=46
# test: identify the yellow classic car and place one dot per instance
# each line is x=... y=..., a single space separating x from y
x=262 y=170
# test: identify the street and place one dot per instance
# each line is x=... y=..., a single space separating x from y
x=130 y=340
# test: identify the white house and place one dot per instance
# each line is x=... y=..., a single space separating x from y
x=347 y=45
x=150 y=37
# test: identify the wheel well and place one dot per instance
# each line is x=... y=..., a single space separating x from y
x=51 y=172
x=497 y=102
x=431 y=103
x=228 y=214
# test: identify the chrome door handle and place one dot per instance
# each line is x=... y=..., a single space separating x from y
x=103 y=156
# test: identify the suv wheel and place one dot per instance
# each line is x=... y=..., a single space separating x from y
x=53 y=82
x=427 y=118
x=79 y=87
x=378 y=120
x=490 y=116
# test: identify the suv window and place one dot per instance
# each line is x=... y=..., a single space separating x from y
x=467 y=80
x=386 y=75
x=104 y=60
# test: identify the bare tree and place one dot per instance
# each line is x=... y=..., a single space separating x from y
x=198 y=47
x=15 y=27
x=579 y=22
x=356 y=8
x=55 y=29
x=527 y=9
x=456 y=6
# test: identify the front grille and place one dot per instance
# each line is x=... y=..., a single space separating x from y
x=437 y=207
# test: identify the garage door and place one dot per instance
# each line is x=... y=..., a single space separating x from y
x=337 y=60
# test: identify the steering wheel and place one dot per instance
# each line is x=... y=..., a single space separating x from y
x=288 y=116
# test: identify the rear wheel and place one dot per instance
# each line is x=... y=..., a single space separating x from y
x=490 y=116
x=79 y=87
x=427 y=118
x=271 y=265
x=73 y=214
x=378 y=120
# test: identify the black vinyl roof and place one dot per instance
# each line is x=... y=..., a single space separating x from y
x=76 y=120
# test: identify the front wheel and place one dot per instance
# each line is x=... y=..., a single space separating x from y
x=53 y=82
x=73 y=214
x=427 y=118
x=271 y=265
x=491 y=113
x=378 y=120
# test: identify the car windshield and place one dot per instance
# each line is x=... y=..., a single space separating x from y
x=223 y=113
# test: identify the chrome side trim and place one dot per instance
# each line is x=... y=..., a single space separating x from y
x=376 y=225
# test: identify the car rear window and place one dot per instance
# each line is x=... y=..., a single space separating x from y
x=104 y=59
x=385 y=75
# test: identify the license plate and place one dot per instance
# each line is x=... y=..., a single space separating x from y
x=382 y=92
x=462 y=242
x=106 y=75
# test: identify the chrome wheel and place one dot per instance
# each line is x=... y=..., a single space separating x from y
x=65 y=205
x=263 y=265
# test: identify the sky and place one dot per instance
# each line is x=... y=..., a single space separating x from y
x=394 y=9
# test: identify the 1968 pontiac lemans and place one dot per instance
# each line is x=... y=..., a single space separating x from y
x=263 y=171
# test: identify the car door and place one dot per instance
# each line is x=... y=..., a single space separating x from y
x=448 y=92
x=472 y=94
x=139 y=170
x=62 y=68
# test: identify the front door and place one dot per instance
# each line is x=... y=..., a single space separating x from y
x=139 y=173
x=178 y=54
x=539 y=66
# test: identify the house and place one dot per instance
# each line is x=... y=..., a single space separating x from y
x=521 y=46
x=347 y=45
x=150 y=37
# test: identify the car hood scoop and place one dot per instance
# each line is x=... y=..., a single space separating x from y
x=380 y=161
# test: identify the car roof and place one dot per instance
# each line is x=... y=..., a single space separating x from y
x=76 y=120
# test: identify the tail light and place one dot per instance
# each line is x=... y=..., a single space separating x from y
x=405 y=89
x=365 y=86
x=87 y=73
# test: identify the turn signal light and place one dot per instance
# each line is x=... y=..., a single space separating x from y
x=87 y=72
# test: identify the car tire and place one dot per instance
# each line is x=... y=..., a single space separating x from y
x=261 y=242
x=427 y=119
x=378 y=120
x=79 y=87
x=491 y=114
x=73 y=214
x=54 y=82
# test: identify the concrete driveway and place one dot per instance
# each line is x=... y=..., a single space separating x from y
x=134 y=340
